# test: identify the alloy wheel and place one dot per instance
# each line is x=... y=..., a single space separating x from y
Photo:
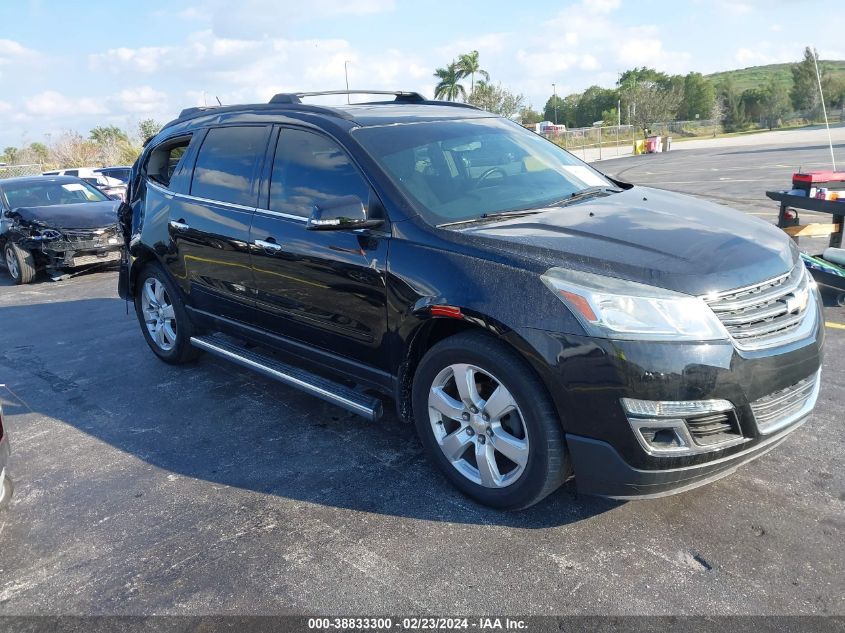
x=12 y=263
x=159 y=315
x=478 y=425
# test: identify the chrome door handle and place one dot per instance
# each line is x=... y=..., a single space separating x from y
x=179 y=226
x=271 y=247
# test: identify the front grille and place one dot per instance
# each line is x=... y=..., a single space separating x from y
x=763 y=314
x=713 y=428
x=83 y=239
x=772 y=411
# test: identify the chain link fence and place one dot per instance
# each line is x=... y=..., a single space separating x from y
x=606 y=141
x=13 y=171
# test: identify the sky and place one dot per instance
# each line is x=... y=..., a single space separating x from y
x=73 y=66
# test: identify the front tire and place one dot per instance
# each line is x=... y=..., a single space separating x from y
x=162 y=316
x=486 y=420
x=20 y=263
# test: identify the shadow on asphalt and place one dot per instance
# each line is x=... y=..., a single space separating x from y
x=786 y=148
x=212 y=421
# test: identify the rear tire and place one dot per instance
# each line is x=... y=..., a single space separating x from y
x=162 y=316
x=20 y=263
x=497 y=438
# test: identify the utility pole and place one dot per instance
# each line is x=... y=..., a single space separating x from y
x=554 y=100
x=346 y=76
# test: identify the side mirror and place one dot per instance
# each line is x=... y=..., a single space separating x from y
x=344 y=212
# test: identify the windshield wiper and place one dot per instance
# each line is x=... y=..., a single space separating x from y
x=589 y=192
x=493 y=216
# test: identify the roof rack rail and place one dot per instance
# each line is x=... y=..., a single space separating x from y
x=194 y=110
x=401 y=96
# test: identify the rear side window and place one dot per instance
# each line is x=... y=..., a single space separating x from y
x=165 y=158
x=227 y=162
x=309 y=168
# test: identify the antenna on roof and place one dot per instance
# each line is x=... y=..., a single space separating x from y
x=220 y=103
x=824 y=109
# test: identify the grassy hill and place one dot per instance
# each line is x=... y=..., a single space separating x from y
x=759 y=76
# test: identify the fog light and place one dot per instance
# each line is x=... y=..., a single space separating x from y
x=662 y=427
x=662 y=438
x=673 y=409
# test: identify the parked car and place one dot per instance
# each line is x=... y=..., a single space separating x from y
x=120 y=173
x=534 y=325
x=7 y=486
x=55 y=224
x=112 y=187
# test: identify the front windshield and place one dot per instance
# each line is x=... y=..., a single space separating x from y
x=49 y=193
x=463 y=169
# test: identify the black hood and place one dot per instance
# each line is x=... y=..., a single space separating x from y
x=82 y=215
x=652 y=236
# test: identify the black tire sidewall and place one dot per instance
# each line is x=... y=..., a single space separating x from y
x=544 y=431
x=182 y=350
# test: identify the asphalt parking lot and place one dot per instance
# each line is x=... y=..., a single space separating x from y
x=144 y=488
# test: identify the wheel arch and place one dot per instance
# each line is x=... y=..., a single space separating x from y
x=433 y=329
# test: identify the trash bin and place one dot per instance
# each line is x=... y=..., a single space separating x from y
x=639 y=147
x=667 y=143
x=652 y=144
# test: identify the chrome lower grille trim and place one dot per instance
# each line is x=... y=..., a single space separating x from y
x=785 y=406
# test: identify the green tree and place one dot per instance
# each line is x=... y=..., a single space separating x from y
x=592 y=103
x=637 y=75
x=530 y=116
x=754 y=103
x=804 y=93
x=449 y=84
x=108 y=134
x=776 y=104
x=148 y=128
x=496 y=99
x=40 y=152
x=699 y=95
x=468 y=65
x=10 y=154
x=734 y=117
x=566 y=108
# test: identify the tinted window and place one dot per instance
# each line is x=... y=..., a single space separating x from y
x=226 y=164
x=465 y=168
x=71 y=172
x=308 y=169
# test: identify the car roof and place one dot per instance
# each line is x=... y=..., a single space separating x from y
x=21 y=180
x=288 y=106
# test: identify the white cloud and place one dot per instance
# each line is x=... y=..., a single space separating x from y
x=141 y=100
x=54 y=104
x=148 y=59
x=601 y=6
x=14 y=52
x=259 y=18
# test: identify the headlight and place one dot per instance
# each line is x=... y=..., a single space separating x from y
x=614 y=308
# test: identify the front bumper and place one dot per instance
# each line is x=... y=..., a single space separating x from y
x=587 y=377
x=600 y=470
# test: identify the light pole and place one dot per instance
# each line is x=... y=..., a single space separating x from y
x=554 y=100
x=346 y=76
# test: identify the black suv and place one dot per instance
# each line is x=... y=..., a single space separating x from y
x=534 y=318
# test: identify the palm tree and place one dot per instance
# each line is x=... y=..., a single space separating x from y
x=449 y=85
x=468 y=64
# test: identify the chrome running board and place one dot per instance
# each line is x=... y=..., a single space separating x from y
x=361 y=404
